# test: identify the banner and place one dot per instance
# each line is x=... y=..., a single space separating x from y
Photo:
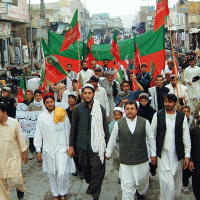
x=28 y=119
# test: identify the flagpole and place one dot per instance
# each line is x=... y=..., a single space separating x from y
x=174 y=61
x=79 y=54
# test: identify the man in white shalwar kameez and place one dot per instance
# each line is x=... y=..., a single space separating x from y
x=133 y=156
x=191 y=75
x=52 y=135
x=173 y=147
x=178 y=89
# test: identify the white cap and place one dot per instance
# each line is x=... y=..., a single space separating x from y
x=7 y=88
x=88 y=85
x=118 y=109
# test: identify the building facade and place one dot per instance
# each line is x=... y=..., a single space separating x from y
x=13 y=18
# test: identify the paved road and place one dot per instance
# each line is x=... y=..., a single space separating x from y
x=38 y=187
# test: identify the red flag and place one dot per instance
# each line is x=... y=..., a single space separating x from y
x=21 y=96
x=137 y=59
x=43 y=83
x=90 y=41
x=89 y=58
x=72 y=34
x=115 y=49
x=162 y=11
x=53 y=70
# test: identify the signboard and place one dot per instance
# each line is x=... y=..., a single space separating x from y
x=3 y=8
x=5 y=29
x=7 y=1
x=149 y=18
x=42 y=33
x=28 y=119
x=188 y=7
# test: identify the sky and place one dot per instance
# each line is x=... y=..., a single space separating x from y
x=126 y=9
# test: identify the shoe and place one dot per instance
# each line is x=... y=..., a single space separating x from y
x=88 y=190
x=20 y=194
x=31 y=156
x=63 y=197
x=81 y=175
x=139 y=196
x=185 y=190
x=76 y=173
x=119 y=180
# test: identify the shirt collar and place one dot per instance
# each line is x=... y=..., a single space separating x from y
x=7 y=122
x=129 y=120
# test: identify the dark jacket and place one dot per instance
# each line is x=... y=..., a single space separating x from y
x=80 y=134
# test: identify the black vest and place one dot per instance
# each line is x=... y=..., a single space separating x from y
x=132 y=146
x=83 y=140
x=161 y=131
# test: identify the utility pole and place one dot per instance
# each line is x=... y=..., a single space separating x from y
x=31 y=47
x=187 y=38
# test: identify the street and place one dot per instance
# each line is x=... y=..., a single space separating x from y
x=38 y=187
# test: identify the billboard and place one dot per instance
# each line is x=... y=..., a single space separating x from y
x=188 y=7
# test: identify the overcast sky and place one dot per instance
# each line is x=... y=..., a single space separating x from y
x=126 y=9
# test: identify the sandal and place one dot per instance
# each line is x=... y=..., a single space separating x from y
x=185 y=190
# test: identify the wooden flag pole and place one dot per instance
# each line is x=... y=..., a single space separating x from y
x=174 y=60
x=79 y=55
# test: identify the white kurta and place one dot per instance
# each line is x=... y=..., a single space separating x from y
x=25 y=53
x=169 y=167
x=54 y=140
x=86 y=75
x=133 y=176
x=101 y=95
x=72 y=75
x=180 y=90
x=194 y=89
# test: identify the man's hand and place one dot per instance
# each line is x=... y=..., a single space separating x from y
x=123 y=102
x=186 y=163
x=189 y=83
x=25 y=157
x=106 y=157
x=134 y=78
x=191 y=166
x=71 y=152
x=153 y=160
x=39 y=157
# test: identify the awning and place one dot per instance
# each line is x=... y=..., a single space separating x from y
x=194 y=30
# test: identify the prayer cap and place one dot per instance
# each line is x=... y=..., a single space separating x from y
x=6 y=88
x=144 y=96
x=118 y=109
x=109 y=73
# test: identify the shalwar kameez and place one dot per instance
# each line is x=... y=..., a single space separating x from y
x=134 y=173
x=53 y=137
x=169 y=165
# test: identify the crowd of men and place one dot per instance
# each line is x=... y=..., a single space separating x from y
x=145 y=129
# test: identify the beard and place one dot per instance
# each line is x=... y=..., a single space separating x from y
x=50 y=109
x=88 y=102
x=85 y=68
